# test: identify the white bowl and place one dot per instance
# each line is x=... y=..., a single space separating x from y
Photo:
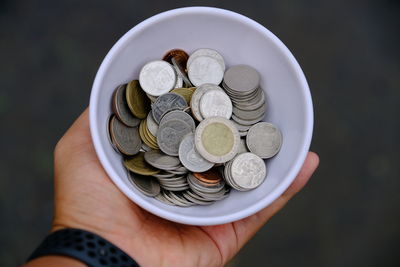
x=240 y=40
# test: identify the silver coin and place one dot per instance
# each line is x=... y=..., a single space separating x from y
x=166 y=103
x=242 y=146
x=205 y=69
x=126 y=139
x=189 y=196
x=248 y=171
x=264 y=139
x=242 y=134
x=152 y=126
x=215 y=103
x=181 y=73
x=190 y=158
x=161 y=161
x=247 y=122
x=241 y=127
x=160 y=197
x=145 y=147
x=196 y=97
x=157 y=77
x=207 y=52
x=249 y=114
x=163 y=175
x=170 y=135
x=179 y=80
x=242 y=78
x=121 y=108
x=145 y=184
x=179 y=115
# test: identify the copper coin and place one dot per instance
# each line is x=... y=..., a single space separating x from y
x=180 y=56
x=211 y=176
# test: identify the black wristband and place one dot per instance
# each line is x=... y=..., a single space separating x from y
x=85 y=246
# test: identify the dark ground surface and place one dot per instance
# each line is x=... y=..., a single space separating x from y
x=348 y=215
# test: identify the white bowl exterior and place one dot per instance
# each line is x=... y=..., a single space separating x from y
x=240 y=40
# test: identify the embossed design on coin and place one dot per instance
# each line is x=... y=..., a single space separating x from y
x=248 y=171
x=166 y=103
x=196 y=97
x=264 y=139
x=189 y=156
x=179 y=115
x=215 y=103
x=157 y=77
x=170 y=135
x=205 y=69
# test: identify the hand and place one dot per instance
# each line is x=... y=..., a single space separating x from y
x=86 y=198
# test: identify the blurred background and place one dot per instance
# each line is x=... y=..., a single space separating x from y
x=348 y=215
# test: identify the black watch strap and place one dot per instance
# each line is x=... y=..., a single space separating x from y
x=85 y=246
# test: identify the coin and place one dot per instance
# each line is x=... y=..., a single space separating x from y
x=249 y=114
x=242 y=78
x=138 y=165
x=196 y=97
x=248 y=171
x=180 y=115
x=147 y=185
x=181 y=73
x=207 y=52
x=137 y=100
x=109 y=133
x=215 y=103
x=170 y=135
x=165 y=103
x=186 y=93
x=160 y=160
x=144 y=136
x=211 y=176
x=125 y=138
x=264 y=139
x=179 y=55
x=247 y=122
x=205 y=69
x=151 y=98
x=217 y=139
x=242 y=146
x=157 y=77
x=152 y=126
x=190 y=158
x=121 y=109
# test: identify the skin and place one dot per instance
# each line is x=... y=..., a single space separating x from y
x=86 y=198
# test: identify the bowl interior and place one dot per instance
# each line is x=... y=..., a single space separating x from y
x=240 y=41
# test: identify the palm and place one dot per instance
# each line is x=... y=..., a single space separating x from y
x=86 y=198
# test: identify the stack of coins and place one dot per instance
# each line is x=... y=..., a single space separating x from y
x=180 y=132
x=242 y=84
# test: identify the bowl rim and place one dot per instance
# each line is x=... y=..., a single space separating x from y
x=187 y=219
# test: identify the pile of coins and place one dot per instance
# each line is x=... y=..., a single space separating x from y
x=189 y=131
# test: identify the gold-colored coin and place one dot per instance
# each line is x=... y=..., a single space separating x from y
x=186 y=93
x=138 y=102
x=151 y=138
x=217 y=139
x=138 y=165
x=144 y=137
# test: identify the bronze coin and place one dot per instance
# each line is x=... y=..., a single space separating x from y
x=138 y=165
x=180 y=56
x=212 y=176
x=137 y=100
